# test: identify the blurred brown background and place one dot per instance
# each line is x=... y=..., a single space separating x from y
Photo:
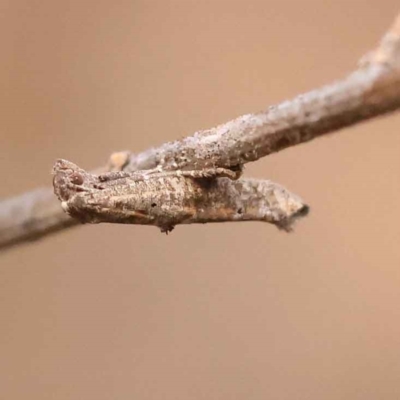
x=234 y=311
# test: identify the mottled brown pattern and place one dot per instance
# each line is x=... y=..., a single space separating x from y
x=166 y=199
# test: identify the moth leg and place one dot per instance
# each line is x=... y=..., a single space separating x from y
x=208 y=173
x=76 y=187
x=116 y=175
x=123 y=177
x=120 y=176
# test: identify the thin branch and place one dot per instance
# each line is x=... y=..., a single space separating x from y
x=31 y=216
x=370 y=91
x=367 y=93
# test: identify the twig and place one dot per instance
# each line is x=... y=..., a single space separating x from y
x=372 y=90
x=31 y=216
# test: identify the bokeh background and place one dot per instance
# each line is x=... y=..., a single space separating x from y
x=230 y=311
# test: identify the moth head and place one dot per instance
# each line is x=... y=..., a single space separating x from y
x=67 y=178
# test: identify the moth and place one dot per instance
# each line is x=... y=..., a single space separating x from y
x=168 y=198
